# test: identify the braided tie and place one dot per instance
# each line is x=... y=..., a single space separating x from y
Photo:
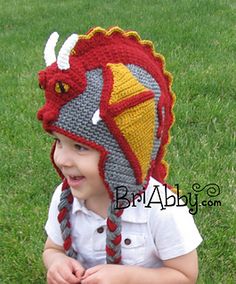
x=113 y=241
x=64 y=207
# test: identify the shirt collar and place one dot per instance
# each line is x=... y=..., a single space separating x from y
x=79 y=205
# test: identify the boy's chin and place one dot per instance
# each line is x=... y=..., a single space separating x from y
x=75 y=193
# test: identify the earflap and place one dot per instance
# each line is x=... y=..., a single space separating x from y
x=53 y=162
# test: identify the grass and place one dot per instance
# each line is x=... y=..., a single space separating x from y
x=198 y=41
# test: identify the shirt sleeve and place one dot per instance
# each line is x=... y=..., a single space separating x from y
x=52 y=226
x=174 y=231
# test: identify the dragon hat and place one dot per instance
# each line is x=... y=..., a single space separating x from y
x=109 y=90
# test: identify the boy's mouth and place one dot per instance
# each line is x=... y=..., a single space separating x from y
x=75 y=181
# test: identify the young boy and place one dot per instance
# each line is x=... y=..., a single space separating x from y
x=109 y=107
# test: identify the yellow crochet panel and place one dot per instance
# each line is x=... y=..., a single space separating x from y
x=125 y=84
x=136 y=123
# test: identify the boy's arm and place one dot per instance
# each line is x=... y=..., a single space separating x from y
x=60 y=268
x=182 y=269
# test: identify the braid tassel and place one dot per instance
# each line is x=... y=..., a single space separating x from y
x=113 y=242
x=64 y=207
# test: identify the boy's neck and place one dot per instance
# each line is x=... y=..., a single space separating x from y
x=98 y=206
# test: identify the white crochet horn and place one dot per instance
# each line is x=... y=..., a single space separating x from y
x=49 y=51
x=64 y=53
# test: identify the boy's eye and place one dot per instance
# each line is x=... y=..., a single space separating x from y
x=81 y=148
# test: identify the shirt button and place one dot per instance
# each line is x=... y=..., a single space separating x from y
x=127 y=241
x=100 y=230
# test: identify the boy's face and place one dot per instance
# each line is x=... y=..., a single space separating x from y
x=79 y=165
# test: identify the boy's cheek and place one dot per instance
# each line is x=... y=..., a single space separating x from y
x=56 y=160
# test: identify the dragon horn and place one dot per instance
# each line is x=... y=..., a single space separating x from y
x=64 y=53
x=49 y=51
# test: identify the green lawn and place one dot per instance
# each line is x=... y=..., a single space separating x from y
x=198 y=40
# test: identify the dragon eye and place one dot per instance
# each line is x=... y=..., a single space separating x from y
x=61 y=87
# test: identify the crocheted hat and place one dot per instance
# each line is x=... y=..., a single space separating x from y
x=109 y=90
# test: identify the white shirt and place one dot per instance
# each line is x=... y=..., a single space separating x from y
x=149 y=234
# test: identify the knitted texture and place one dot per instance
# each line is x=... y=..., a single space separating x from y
x=64 y=208
x=115 y=96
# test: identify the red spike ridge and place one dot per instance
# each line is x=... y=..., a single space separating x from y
x=62 y=215
x=67 y=243
x=111 y=226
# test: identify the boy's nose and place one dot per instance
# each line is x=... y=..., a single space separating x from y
x=63 y=158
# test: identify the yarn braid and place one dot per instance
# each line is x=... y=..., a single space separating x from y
x=113 y=241
x=64 y=207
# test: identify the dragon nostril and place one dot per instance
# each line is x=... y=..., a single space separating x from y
x=41 y=87
x=47 y=114
x=50 y=116
x=42 y=79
